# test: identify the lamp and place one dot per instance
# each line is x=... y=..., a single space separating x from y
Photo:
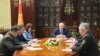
x=69 y=8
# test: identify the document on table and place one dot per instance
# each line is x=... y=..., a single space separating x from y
x=32 y=48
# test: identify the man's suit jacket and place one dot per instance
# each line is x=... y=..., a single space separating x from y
x=8 y=45
x=20 y=39
x=66 y=32
x=88 y=46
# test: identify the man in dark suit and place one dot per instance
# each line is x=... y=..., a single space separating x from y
x=88 y=46
x=20 y=38
x=61 y=31
x=8 y=45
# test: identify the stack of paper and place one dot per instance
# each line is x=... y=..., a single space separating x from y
x=31 y=48
x=67 y=49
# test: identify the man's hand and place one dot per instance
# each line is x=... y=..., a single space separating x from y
x=25 y=45
x=61 y=36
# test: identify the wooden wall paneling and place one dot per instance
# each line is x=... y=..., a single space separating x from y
x=32 y=13
x=39 y=33
x=51 y=31
x=25 y=12
x=28 y=12
x=44 y=32
x=70 y=20
x=14 y=12
x=75 y=19
x=96 y=31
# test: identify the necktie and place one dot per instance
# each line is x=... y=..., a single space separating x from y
x=61 y=31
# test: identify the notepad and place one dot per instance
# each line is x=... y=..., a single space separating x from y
x=35 y=44
x=31 y=48
x=67 y=49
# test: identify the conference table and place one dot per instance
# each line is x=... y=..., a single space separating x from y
x=46 y=50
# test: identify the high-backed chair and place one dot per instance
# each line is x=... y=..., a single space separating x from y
x=1 y=37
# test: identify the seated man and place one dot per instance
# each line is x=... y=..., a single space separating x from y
x=61 y=31
x=20 y=38
x=88 y=46
x=8 y=45
x=79 y=40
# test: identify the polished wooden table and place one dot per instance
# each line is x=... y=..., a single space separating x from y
x=47 y=50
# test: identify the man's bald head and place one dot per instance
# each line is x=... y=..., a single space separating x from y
x=61 y=25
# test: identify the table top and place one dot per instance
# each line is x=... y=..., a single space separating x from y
x=46 y=50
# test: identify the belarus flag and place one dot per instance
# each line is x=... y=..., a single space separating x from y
x=20 y=14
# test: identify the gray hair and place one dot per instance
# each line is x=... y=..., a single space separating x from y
x=84 y=25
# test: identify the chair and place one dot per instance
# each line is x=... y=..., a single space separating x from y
x=1 y=37
x=99 y=44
